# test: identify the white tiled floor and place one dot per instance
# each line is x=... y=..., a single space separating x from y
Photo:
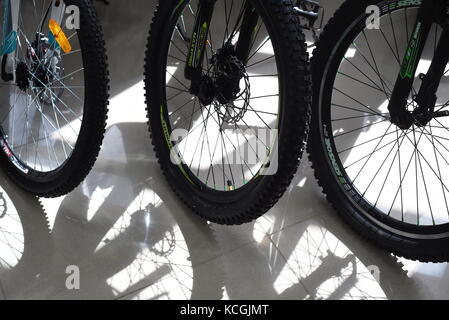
x=299 y=250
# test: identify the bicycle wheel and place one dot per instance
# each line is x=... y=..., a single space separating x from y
x=388 y=183
x=242 y=129
x=54 y=101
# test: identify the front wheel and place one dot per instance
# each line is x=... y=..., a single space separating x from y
x=230 y=146
x=54 y=101
x=390 y=184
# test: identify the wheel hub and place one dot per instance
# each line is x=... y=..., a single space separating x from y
x=223 y=86
x=419 y=117
x=422 y=117
x=228 y=70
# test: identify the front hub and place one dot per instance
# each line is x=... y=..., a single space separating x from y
x=228 y=70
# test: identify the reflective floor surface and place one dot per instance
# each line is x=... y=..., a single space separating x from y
x=131 y=238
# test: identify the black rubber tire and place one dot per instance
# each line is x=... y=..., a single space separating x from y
x=348 y=202
x=257 y=197
x=67 y=177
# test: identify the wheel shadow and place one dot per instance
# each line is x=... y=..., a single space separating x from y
x=124 y=232
x=317 y=257
x=25 y=240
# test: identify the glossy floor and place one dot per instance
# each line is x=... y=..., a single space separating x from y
x=130 y=237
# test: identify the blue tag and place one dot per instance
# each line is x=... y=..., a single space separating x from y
x=9 y=43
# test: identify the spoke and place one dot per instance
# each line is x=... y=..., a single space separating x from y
x=364 y=74
x=360 y=81
x=394 y=36
x=182 y=106
x=191 y=123
x=202 y=145
x=439 y=171
x=258 y=111
x=391 y=48
x=401 y=180
x=358 y=129
x=71 y=74
x=178 y=89
x=400 y=175
x=364 y=143
x=261 y=61
x=263 y=75
x=177 y=80
x=384 y=161
x=257 y=114
x=356 y=117
x=425 y=160
x=52 y=94
x=369 y=158
x=357 y=110
x=258 y=97
x=361 y=159
x=218 y=123
x=425 y=186
x=258 y=48
x=238 y=22
x=376 y=67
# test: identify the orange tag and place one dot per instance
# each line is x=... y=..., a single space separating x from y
x=60 y=36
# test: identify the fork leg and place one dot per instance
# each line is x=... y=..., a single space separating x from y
x=403 y=86
x=195 y=57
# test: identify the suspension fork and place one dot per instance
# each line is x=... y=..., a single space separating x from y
x=431 y=11
x=198 y=42
x=195 y=56
x=247 y=33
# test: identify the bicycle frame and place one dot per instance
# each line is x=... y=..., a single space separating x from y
x=10 y=25
x=430 y=12
x=195 y=57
